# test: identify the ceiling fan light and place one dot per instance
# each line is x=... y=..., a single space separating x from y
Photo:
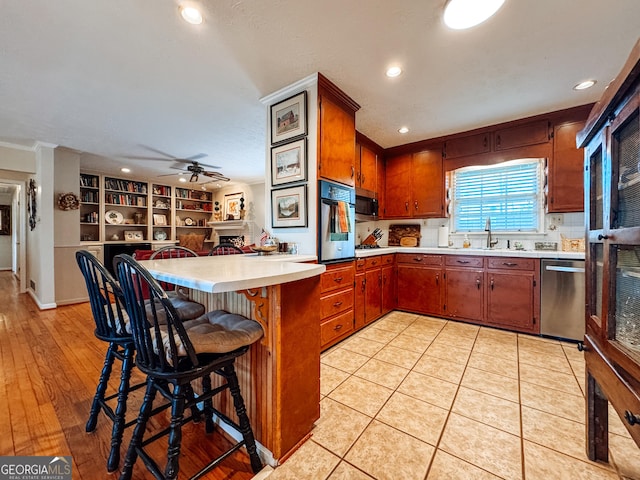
x=461 y=14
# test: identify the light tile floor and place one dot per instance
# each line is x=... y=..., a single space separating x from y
x=415 y=397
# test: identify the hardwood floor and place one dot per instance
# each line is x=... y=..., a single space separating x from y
x=50 y=363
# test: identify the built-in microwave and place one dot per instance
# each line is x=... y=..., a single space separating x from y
x=366 y=208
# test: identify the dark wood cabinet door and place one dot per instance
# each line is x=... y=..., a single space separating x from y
x=465 y=294
x=398 y=187
x=337 y=137
x=359 y=296
x=522 y=135
x=427 y=184
x=368 y=169
x=510 y=300
x=373 y=295
x=388 y=289
x=470 y=145
x=566 y=171
x=420 y=289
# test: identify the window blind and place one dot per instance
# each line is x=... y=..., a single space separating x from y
x=508 y=193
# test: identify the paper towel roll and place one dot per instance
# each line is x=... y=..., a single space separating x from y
x=443 y=236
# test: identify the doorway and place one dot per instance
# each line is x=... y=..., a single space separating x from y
x=13 y=238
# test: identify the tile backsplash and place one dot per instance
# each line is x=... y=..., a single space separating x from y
x=571 y=225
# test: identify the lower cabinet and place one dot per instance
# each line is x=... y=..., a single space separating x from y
x=375 y=288
x=464 y=288
x=420 y=283
x=336 y=303
x=513 y=293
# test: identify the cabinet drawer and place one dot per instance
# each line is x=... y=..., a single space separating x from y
x=512 y=263
x=336 y=303
x=337 y=278
x=419 y=259
x=372 y=262
x=336 y=327
x=464 y=261
x=360 y=263
x=388 y=259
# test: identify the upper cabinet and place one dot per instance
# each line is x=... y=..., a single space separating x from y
x=469 y=145
x=532 y=133
x=414 y=185
x=565 y=193
x=336 y=134
x=369 y=166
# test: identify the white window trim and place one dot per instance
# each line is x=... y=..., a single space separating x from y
x=540 y=197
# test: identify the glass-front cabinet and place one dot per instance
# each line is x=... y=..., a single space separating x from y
x=612 y=213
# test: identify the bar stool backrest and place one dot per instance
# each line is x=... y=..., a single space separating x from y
x=225 y=249
x=161 y=347
x=105 y=297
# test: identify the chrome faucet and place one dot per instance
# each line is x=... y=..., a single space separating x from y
x=487 y=228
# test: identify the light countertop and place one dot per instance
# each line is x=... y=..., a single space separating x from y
x=498 y=252
x=228 y=273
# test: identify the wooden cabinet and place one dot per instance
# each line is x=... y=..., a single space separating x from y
x=414 y=185
x=336 y=303
x=513 y=296
x=531 y=133
x=360 y=286
x=336 y=133
x=366 y=163
x=464 y=287
x=420 y=283
x=565 y=170
x=389 y=284
x=612 y=209
x=468 y=145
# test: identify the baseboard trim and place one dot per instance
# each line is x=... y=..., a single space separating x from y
x=41 y=306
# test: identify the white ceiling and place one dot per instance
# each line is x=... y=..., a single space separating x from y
x=117 y=78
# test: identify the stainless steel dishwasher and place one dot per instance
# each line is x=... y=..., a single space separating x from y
x=562 y=299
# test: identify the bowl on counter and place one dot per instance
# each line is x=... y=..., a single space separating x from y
x=264 y=249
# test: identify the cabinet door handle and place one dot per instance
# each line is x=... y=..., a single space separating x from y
x=478 y=283
x=415 y=204
x=462 y=261
x=353 y=171
x=497 y=140
x=337 y=279
x=337 y=327
x=492 y=284
x=374 y=262
x=631 y=418
x=510 y=264
x=337 y=304
x=362 y=178
x=406 y=206
x=603 y=237
x=437 y=279
x=417 y=259
x=485 y=141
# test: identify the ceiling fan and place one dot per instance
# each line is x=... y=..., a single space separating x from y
x=192 y=166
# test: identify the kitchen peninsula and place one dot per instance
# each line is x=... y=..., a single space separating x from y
x=280 y=375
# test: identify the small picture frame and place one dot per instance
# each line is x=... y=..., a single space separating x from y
x=289 y=118
x=133 y=235
x=233 y=204
x=289 y=162
x=159 y=219
x=289 y=207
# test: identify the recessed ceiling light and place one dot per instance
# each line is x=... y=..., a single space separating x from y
x=191 y=15
x=182 y=179
x=461 y=14
x=125 y=170
x=584 y=85
x=403 y=130
x=393 y=71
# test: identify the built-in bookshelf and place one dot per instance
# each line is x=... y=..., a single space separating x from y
x=89 y=207
x=122 y=210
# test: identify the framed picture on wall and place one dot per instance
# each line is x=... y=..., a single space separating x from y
x=289 y=118
x=289 y=162
x=233 y=203
x=289 y=207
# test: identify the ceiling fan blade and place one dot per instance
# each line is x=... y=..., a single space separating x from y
x=216 y=176
x=184 y=160
x=139 y=157
x=160 y=152
x=169 y=174
x=197 y=156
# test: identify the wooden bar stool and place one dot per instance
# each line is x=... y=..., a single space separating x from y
x=111 y=324
x=225 y=249
x=176 y=353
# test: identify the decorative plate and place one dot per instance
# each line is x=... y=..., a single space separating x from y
x=68 y=201
x=189 y=221
x=160 y=235
x=113 y=217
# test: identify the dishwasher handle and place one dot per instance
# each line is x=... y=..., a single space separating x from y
x=557 y=268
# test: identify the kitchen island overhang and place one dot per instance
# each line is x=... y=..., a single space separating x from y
x=280 y=375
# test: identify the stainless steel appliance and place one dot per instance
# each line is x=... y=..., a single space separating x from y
x=366 y=208
x=337 y=216
x=562 y=299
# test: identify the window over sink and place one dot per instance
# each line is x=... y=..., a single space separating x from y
x=510 y=193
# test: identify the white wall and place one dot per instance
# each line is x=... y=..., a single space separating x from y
x=305 y=237
x=255 y=211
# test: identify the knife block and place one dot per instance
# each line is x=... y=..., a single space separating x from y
x=370 y=240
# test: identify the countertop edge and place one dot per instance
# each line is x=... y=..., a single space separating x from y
x=473 y=251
